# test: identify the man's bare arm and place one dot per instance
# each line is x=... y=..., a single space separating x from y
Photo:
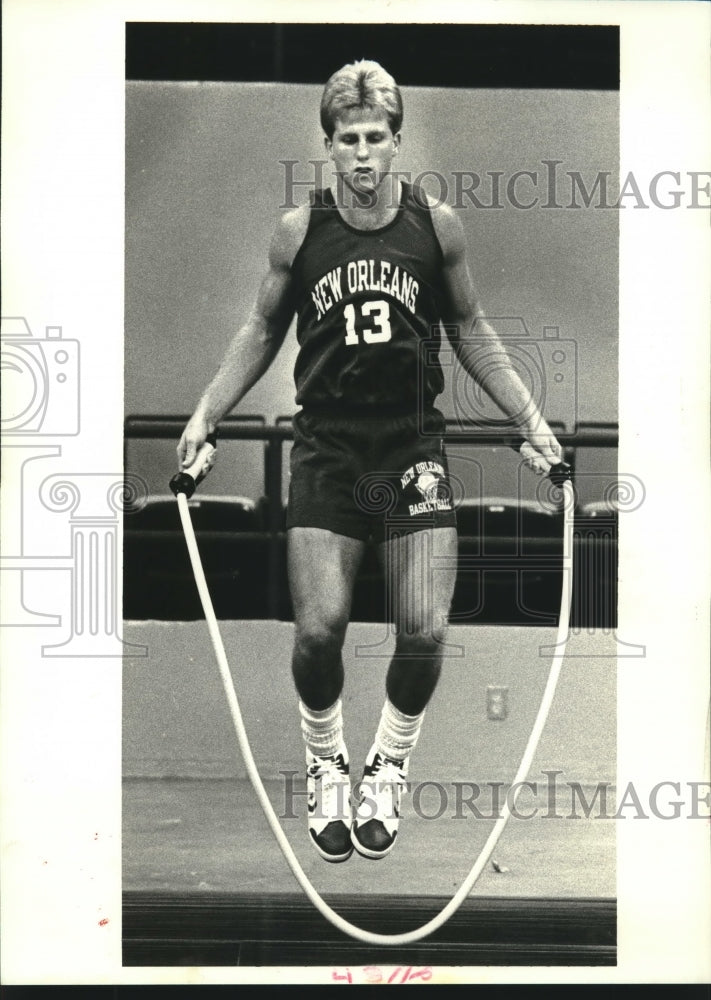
x=480 y=350
x=256 y=343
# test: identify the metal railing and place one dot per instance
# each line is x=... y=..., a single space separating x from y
x=274 y=436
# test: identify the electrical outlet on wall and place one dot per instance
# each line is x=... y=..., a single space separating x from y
x=497 y=703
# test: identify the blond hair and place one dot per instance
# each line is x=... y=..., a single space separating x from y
x=361 y=84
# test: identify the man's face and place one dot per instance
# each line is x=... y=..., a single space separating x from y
x=362 y=149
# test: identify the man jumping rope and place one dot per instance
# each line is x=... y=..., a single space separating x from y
x=371 y=268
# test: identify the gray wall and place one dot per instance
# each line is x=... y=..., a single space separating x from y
x=176 y=721
x=204 y=187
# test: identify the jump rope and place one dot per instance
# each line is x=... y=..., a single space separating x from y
x=183 y=486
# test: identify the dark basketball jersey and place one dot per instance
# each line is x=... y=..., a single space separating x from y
x=366 y=301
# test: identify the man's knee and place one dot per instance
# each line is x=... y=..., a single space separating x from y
x=420 y=640
x=320 y=637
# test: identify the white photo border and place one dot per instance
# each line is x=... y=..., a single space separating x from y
x=63 y=263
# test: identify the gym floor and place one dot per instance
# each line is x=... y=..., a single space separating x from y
x=205 y=881
x=198 y=835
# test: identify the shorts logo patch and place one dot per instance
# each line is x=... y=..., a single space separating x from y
x=427 y=484
x=429 y=480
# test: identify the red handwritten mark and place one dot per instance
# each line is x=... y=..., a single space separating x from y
x=336 y=975
x=103 y=922
x=374 y=974
x=425 y=974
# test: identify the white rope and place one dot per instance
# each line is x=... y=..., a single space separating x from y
x=370 y=937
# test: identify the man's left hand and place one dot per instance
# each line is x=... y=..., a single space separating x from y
x=540 y=452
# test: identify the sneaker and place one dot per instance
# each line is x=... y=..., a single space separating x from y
x=329 y=806
x=378 y=812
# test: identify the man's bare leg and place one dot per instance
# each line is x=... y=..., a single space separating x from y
x=322 y=571
x=421 y=572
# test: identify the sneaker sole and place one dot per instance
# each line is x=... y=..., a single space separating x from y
x=335 y=859
x=368 y=852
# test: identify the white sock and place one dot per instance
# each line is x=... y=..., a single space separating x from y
x=322 y=730
x=397 y=733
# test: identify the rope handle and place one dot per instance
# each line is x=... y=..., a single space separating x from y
x=189 y=479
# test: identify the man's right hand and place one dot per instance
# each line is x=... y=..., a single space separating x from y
x=192 y=440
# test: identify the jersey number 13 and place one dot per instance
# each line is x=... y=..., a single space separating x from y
x=377 y=313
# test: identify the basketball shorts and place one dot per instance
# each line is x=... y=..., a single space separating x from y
x=369 y=478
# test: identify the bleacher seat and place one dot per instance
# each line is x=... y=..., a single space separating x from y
x=604 y=510
x=158 y=578
x=208 y=513
x=505 y=516
x=509 y=562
